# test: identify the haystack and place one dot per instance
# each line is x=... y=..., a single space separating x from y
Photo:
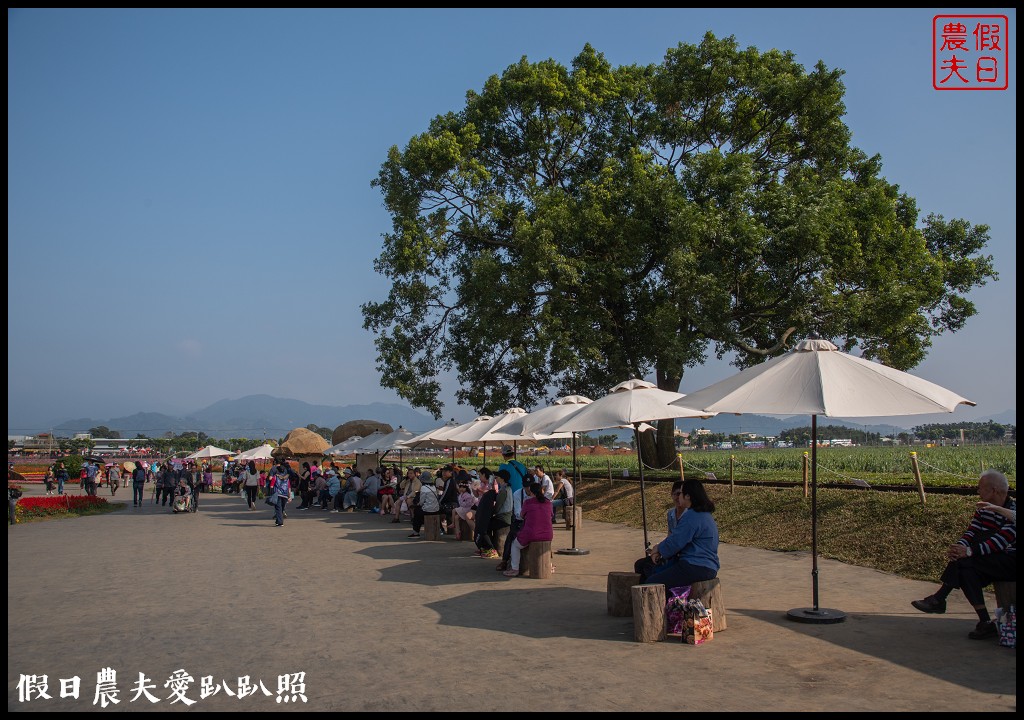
x=301 y=442
x=361 y=428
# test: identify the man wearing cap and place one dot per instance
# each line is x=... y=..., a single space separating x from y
x=517 y=472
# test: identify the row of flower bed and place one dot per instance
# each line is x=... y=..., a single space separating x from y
x=33 y=507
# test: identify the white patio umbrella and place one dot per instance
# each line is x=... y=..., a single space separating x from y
x=492 y=430
x=816 y=379
x=383 y=445
x=263 y=452
x=432 y=438
x=446 y=437
x=538 y=425
x=210 y=451
x=391 y=441
x=345 y=447
x=630 y=403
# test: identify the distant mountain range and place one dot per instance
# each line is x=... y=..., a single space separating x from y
x=253 y=416
x=259 y=416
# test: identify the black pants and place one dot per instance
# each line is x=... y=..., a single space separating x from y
x=972 y=574
x=137 y=489
x=250 y=494
x=417 y=517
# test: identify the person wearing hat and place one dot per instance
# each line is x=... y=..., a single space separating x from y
x=343 y=483
x=517 y=472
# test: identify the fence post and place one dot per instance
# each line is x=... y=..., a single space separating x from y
x=611 y=483
x=732 y=475
x=806 y=461
x=682 y=470
x=917 y=475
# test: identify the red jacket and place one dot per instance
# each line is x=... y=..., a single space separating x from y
x=536 y=522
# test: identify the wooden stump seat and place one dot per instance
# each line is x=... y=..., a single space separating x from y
x=620 y=593
x=432 y=527
x=709 y=592
x=648 y=613
x=464 y=533
x=573 y=515
x=536 y=559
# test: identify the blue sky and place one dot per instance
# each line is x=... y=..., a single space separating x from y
x=190 y=216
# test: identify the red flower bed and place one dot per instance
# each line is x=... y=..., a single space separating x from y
x=58 y=505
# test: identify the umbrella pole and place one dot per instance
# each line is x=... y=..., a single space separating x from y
x=575 y=489
x=815 y=614
x=643 y=498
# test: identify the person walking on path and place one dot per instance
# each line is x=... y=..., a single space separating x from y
x=62 y=477
x=138 y=484
x=91 y=471
x=114 y=479
x=282 y=491
x=985 y=552
x=251 y=482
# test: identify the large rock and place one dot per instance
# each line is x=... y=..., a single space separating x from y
x=301 y=442
x=362 y=428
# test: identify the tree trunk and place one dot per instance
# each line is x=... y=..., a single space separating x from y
x=666 y=441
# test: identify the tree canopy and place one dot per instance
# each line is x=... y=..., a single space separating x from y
x=570 y=228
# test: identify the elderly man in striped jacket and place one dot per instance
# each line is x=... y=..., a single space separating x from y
x=986 y=552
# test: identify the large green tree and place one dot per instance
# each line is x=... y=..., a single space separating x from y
x=573 y=227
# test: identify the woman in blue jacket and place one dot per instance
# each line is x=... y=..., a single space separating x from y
x=690 y=553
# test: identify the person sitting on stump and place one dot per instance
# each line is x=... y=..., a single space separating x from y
x=691 y=550
x=987 y=551
x=536 y=526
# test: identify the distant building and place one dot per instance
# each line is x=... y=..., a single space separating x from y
x=43 y=443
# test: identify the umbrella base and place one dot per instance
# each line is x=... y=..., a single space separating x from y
x=572 y=551
x=821 y=616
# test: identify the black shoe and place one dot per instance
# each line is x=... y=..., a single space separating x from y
x=931 y=605
x=414 y=535
x=983 y=630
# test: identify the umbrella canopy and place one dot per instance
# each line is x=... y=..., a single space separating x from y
x=492 y=429
x=627 y=404
x=345 y=447
x=210 y=451
x=630 y=403
x=263 y=452
x=433 y=438
x=816 y=379
x=449 y=437
x=391 y=441
x=129 y=466
x=537 y=425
